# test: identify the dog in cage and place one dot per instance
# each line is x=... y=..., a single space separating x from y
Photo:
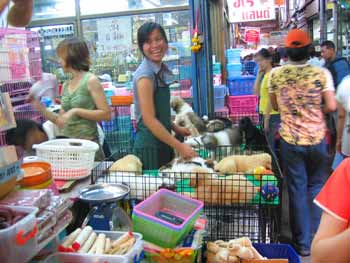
x=254 y=138
x=186 y=117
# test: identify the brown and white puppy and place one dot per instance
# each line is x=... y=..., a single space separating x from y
x=243 y=163
x=186 y=117
x=222 y=190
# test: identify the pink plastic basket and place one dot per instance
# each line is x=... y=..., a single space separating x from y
x=26 y=111
x=242 y=104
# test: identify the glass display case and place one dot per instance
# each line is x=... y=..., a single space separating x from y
x=113 y=44
x=50 y=36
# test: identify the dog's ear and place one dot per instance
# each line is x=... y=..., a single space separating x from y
x=210 y=163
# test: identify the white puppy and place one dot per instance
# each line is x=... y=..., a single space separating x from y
x=186 y=117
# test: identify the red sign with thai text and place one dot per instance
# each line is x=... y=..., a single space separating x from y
x=251 y=10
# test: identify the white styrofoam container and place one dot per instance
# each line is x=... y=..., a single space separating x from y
x=11 y=251
x=93 y=258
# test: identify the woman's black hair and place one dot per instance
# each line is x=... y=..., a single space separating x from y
x=298 y=54
x=264 y=53
x=18 y=135
x=145 y=30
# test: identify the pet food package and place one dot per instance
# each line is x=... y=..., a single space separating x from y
x=37 y=198
x=7 y=117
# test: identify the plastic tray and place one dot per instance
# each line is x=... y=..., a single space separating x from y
x=241 y=85
x=19 y=241
x=243 y=104
x=161 y=232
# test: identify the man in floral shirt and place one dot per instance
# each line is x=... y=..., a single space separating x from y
x=297 y=91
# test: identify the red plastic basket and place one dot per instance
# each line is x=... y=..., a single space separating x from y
x=243 y=104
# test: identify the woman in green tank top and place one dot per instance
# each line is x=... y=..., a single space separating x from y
x=83 y=100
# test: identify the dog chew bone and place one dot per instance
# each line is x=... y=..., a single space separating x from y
x=233 y=259
x=222 y=255
x=82 y=237
x=121 y=240
x=88 y=244
x=125 y=247
x=69 y=240
x=245 y=253
x=212 y=247
x=107 y=245
x=100 y=247
x=243 y=241
x=93 y=248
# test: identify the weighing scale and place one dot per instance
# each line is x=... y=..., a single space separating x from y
x=105 y=214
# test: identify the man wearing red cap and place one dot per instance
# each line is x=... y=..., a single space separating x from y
x=297 y=91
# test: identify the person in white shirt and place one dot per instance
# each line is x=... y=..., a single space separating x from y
x=343 y=99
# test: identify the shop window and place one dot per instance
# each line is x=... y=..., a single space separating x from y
x=114 y=50
x=45 y=9
x=90 y=7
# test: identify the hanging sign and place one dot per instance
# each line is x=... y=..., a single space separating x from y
x=251 y=10
x=252 y=34
x=114 y=34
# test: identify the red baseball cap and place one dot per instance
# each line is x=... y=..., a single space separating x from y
x=297 y=38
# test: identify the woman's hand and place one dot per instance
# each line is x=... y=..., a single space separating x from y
x=63 y=118
x=186 y=151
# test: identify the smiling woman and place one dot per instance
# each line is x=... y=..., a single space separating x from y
x=154 y=143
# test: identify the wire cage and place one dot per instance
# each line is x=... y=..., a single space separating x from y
x=235 y=204
x=26 y=111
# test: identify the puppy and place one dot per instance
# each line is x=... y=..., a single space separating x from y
x=243 y=163
x=224 y=190
x=179 y=165
x=254 y=138
x=129 y=163
x=185 y=116
x=218 y=124
x=210 y=140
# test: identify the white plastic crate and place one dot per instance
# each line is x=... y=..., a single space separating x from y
x=70 y=159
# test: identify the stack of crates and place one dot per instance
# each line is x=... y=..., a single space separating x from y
x=217 y=76
x=219 y=97
x=119 y=130
x=234 y=66
x=241 y=102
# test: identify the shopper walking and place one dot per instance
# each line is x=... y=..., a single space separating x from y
x=339 y=68
x=154 y=143
x=297 y=91
x=337 y=65
x=83 y=100
x=271 y=118
x=343 y=99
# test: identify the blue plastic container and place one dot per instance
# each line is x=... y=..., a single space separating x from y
x=233 y=55
x=219 y=103
x=241 y=85
x=220 y=91
x=272 y=251
x=217 y=68
x=234 y=70
x=185 y=72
